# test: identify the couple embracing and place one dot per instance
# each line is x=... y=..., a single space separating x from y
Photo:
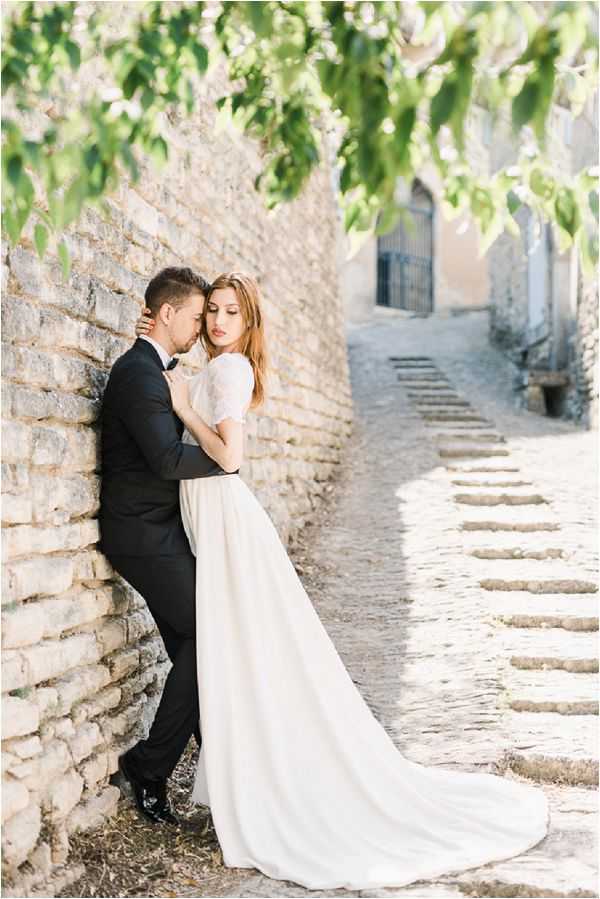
x=301 y=779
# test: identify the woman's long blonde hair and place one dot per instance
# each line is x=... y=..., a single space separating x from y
x=252 y=341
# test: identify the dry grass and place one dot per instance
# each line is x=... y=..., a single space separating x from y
x=128 y=856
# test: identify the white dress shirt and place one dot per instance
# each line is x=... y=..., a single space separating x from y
x=164 y=356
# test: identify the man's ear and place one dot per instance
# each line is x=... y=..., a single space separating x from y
x=166 y=313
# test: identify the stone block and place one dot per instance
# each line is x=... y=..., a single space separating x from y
x=27 y=402
x=31 y=577
x=535 y=399
x=16 y=509
x=64 y=794
x=99 y=704
x=54 y=496
x=19 y=716
x=85 y=739
x=20 y=320
x=95 y=769
x=111 y=635
x=138 y=625
x=14 y=670
x=21 y=625
x=122 y=662
x=16 y=441
x=51 y=658
x=24 y=747
x=47 y=701
x=79 y=685
x=95 y=810
x=54 y=761
x=15 y=798
x=20 y=834
x=24 y=540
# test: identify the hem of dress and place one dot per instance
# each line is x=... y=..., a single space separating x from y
x=456 y=869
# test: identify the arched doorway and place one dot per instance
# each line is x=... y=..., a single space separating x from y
x=405 y=258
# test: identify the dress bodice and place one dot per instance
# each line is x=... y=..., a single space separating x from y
x=223 y=389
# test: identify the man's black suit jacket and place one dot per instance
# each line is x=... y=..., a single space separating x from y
x=143 y=460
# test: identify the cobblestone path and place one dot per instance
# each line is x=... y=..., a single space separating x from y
x=455 y=569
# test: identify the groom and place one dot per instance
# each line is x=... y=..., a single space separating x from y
x=142 y=535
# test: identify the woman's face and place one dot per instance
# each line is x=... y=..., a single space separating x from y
x=224 y=320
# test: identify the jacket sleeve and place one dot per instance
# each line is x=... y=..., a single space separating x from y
x=148 y=416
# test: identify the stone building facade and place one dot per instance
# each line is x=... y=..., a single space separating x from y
x=83 y=664
x=440 y=266
x=544 y=309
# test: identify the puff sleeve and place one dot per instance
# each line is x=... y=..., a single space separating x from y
x=230 y=386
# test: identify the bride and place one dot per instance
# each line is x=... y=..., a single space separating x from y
x=302 y=781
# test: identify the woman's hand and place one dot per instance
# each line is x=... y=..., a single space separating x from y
x=180 y=391
x=145 y=323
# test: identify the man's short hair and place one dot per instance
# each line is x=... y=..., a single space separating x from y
x=173 y=285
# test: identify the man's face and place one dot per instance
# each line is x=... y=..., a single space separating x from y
x=184 y=323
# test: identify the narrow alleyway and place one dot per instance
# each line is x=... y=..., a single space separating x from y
x=455 y=570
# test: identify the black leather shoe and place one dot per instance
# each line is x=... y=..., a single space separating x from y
x=150 y=797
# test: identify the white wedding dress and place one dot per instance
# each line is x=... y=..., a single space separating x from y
x=302 y=781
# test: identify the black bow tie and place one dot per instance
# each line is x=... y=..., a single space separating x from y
x=172 y=364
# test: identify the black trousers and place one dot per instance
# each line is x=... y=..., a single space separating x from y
x=168 y=584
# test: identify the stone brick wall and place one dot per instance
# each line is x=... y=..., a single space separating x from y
x=567 y=339
x=83 y=664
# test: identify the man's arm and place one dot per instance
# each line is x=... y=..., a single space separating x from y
x=148 y=416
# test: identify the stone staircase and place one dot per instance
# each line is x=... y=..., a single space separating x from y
x=544 y=606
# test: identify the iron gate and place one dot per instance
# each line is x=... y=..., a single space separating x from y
x=405 y=262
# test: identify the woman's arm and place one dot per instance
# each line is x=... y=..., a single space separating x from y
x=225 y=445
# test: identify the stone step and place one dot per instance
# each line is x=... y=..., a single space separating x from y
x=481 y=495
x=563 y=864
x=447 y=399
x=410 y=359
x=425 y=369
x=452 y=415
x=552 y=577
x=474 y=451
x=563 y=692
x=549 y=648
x=452 y=426
x=510 y=518
x=423 y=377
x=512 y=546
x=483 y=436
x=429 y=385
x=552 y=748
x=572 y=612
x=489 y=482
x=468 y=467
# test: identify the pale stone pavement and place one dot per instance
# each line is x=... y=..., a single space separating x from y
x=455 y=569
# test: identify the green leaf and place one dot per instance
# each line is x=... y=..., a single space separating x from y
x=442 y=104
x=74 y=54
x=513 y=201
x=11 y=226
x=541 y=184
x=524 y=104
x=593 y=203
x=40 y=238
x=201 y=56
x=567 y=211
x=65 y=259
x=14 y=169
x=159 y=149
